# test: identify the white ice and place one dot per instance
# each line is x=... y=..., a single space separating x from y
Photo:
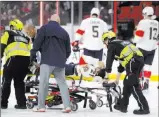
x=151 y=95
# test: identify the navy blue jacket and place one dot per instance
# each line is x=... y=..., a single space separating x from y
x=54 y=44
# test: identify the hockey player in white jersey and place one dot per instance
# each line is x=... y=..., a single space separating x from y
x=92 y=29
x=146 y=39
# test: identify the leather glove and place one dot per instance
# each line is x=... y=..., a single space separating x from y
x=32 y=59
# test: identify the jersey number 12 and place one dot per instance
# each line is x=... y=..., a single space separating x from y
x=95 y=31
x=153 y=33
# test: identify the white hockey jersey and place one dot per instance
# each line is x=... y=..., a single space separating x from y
x=146 y=35
x=92 y=30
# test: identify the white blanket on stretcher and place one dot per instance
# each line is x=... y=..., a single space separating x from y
x=83 y=84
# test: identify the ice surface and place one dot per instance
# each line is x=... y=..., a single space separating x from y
x=152 y=97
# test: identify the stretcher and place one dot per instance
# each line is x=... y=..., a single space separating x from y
x=79 y=88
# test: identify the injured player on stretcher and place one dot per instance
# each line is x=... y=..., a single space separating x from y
x=87 y=67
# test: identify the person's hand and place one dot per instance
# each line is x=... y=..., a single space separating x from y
x=75 y=43
x=116 y=82
x=32 y=59
x=105 y=80
x=36 y=64
x=101 y=64
x=75 y=46
x=76 y=49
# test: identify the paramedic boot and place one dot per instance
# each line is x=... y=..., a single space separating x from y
x=20 y=106
x=4 y=106
x=144 y=108
x=141 y=112
x=119 y=106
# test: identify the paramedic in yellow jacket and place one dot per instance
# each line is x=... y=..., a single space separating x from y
x=15 y=46
x=131 y=60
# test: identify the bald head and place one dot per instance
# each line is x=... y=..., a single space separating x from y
x=30 y=30
x=55 y=18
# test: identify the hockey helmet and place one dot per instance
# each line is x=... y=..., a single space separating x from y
x=108 y=35
x=95 y=11
x=16 y=24
x=148 y=11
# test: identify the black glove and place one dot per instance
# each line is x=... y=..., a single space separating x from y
x=76 y=49
x=33 y=59
x=75 y=46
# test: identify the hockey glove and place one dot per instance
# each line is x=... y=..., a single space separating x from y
x=75 y=46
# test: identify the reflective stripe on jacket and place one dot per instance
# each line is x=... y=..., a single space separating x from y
x=128 y=53
x=17 y=44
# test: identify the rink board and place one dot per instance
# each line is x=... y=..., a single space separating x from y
x=112 y=76
x=74 y=57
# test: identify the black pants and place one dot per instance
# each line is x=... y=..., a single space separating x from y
x=95 y=54
x=131 y=84
x=15 y=68
x=148 y=56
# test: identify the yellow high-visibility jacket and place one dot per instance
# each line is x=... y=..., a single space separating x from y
x=15 y=43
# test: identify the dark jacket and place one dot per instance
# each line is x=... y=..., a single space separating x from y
x=54 y=44
x=114 y=49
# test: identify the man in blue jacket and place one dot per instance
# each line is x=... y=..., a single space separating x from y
x=54 y=44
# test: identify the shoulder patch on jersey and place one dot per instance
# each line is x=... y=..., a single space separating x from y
x=139 y=33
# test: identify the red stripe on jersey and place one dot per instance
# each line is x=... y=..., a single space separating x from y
x=139 y=33
x=147 y=74
x=82 y=61
x=81 y=32
x=140 y=76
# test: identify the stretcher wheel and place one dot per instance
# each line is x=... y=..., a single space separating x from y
x=99 y=103
x=30 y=104
x=74 y=106
x=92 y=104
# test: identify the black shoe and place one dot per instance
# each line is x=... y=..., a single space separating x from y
x=4 y=106
x=141 y=112
x=117 y=107
x=20 y=107
x=124 y=110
